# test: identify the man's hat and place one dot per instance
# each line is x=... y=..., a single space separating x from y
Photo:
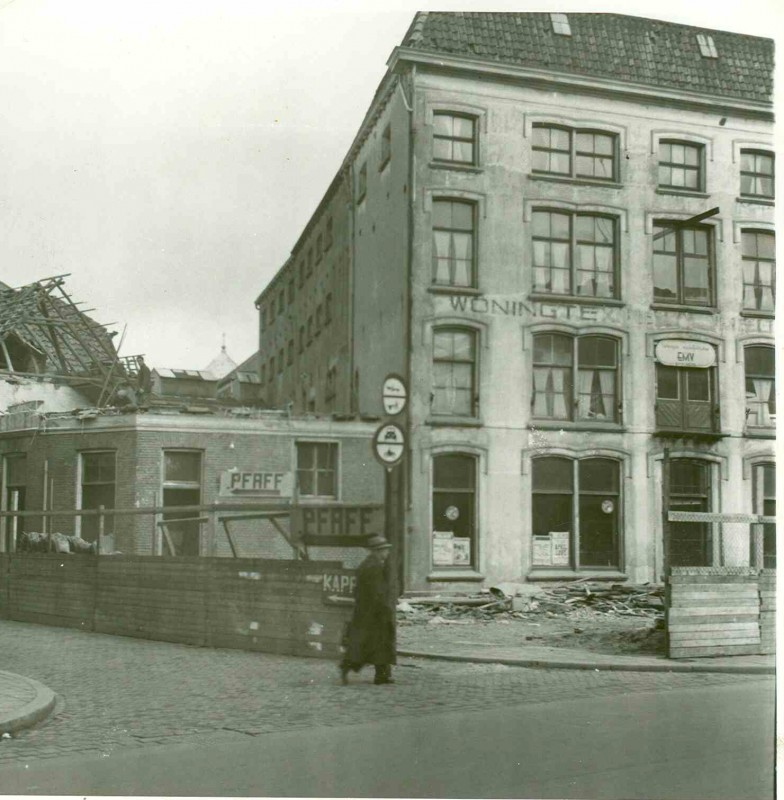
x=377 y=542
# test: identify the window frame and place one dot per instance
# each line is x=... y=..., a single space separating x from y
x=572 y=132
x=109 y=520
x=333 y=447
x=771 y=424
x=757 y=259
x=11 y=527
x=685 y=403
x=660 y=225
x=759 y=505
x=362 y=182
x=576 y=494
x=473 y=491
x=452 y=262
x=699 y=169
x=750 y=151
x=190 y=486
x=473 y=139
x=386 y=147
x=474 y=371
x=573 y=243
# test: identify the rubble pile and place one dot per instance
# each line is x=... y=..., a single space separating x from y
x=523 y=601
x=54 y=543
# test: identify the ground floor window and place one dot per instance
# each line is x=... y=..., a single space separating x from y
x=181 y=487
x=454 y=510
x=690 y=543
x=14 y=489
x=764 y=487
x=317 y=469
x=575 y=510
x=97 y=489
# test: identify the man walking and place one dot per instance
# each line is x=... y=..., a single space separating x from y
x=370 y=636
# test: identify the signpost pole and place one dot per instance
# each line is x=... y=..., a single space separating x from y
x=665 y=512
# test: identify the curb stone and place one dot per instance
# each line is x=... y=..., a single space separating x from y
x=32 y=712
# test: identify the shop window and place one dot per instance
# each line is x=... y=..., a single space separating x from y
x=686 y=399
x=681 y=166
x=757 y=177
x=760 y=363
x=182 y=471
x=14 y=491
x=764 y=502
x=362 y=183
x=454 y=511
x=386 y=147
x=574 y=152
x=575 y=509
x=454 y=372
x=683 y=271
x=454 y=245
x=317 y=469
x=575 y=378
x=98 y=489
x=758 y=249
x=690 y=543
x=574 y=254
x=454 y=138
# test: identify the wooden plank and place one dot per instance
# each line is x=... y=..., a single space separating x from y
x=712 y=618
x=701 y=611
x=716 y=588
x=739 y=626
x=716 y=601
x=711 y=637
x=722 y=579
x=719 y=650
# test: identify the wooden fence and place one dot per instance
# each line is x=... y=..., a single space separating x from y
x=272 y=606
x=720 y=611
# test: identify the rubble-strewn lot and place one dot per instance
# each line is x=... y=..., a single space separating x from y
x=604 y=618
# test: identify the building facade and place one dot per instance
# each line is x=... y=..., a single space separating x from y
x=560 y=230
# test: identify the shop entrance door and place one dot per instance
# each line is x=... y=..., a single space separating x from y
x=690 y=490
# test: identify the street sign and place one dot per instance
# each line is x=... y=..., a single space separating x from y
x=394 y=395
x=389 y=444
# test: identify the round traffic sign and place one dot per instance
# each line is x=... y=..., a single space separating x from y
x=389 y=443
x=394 y=395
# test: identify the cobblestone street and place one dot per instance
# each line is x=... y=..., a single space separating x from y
x=117 y=693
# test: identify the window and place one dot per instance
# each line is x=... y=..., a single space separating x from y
x=454 y=510
x=291 y=291
x=453 y=243
x=386 y=147
x=758 y=250
x=454 y=138
x=290 y=353
x=706 y=45
x=757 y=174
x=764 y=502
x=575 y=378
x=454 y=373
x=328 y=309
x=281 y=302
x=328 y=234
x=319 y=315
x=330 y=390
x=683 y=265
x=281 y=360
x=14 y=489
x=309 y=263
x=680 y=166
x=317 y=469
x=310 y=329
x=319 y=247
x=362 y=183
x=302 y=272
x=98 y=482
x=690 y=490
x=560 y=24
x=579 y=498
x=182 y=487
x=272 y=369
x=760 y=386
x=574 y=153
x=574 y=254
x=301 y=338
x=685 y=399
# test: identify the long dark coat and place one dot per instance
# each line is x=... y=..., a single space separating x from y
x=370 y=636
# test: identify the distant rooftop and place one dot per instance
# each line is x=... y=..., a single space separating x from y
x=613 y=46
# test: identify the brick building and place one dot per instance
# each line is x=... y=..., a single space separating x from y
x=513 y=231
x=82 y=460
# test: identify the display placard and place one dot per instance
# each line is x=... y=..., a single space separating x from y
x=542 y=555
x=560 y=548
x=461 y=551
x=443 y=548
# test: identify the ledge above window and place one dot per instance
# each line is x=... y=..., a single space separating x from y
x=541 y=297
x=454 y=422
x=455 y=575
x=681 y=308
x=757 y=201
x=595 y=574
x=552 y=178
x=579 y=425
x=437 y=288
x=760 y=433
x=457 y=166
x=750 y=312
x=681 y=192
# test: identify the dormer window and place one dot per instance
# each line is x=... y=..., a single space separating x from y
x=707 y=47
x=561 y=24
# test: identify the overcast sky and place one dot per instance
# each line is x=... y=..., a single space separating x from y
x=167 y=153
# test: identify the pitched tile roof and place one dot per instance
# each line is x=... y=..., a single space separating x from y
x=642 y=51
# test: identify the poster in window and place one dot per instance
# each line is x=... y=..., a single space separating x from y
x=542 y=556
x=461 y=552
x=560 y=548
x=443 y=548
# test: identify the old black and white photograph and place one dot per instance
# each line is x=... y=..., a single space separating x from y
x=388 y=399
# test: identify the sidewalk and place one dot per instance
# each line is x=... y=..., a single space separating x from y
x=23 y=702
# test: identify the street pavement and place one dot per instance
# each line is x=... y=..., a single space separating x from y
x=117 y=695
